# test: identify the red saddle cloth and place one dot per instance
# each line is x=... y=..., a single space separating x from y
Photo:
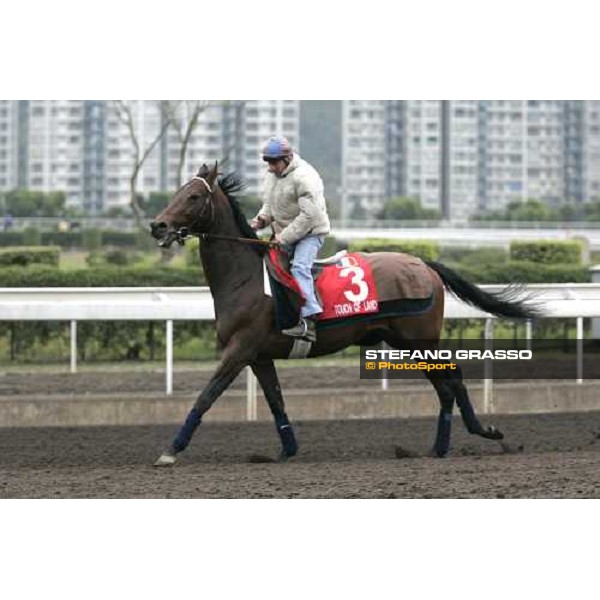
x=345 y=288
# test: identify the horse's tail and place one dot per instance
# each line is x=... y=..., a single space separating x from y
x=509 y=303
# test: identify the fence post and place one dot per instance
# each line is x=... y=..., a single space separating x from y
x=579 y=349
x=169 y=365
x=487 y=368
x=384 y=379
x=250 y=395
x=73 y=346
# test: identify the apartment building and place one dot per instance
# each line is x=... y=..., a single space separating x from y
x=8 y=145
x=582 y=150
x=502 y=152
x=363 y=157
x=41 y=145
x=86 y=148
x=465 y=156
x=460 y=127
x=458 y=156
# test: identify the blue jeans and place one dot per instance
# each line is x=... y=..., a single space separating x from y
x=305 y=254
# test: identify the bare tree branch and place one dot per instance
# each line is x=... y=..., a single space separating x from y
x=184 y=126
x=124 y=113
x=228 y=151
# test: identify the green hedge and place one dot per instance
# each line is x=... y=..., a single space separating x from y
x=64 y=239
x=461 y=255
x=32 y=237
x=524 y=272
x=547 y=252
x=33 y=255
x=120 y=238
x=73 y=239
x=11 y=238
x=330 y=247
x=44 y=276
x=426 y=250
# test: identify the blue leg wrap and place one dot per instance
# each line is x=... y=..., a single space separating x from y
x=286 y=434
x=468 y=414
x=442 y=441
x=186 y=432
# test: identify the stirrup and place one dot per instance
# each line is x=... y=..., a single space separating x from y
x=302 y=330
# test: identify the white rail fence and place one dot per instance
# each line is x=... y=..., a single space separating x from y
x=576 y=301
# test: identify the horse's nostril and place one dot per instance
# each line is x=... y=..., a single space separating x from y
x=156 y=227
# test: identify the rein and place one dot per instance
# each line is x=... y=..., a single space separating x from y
x=184 y=233
x=231 y=238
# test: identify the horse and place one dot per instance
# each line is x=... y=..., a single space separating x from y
x=232 y=258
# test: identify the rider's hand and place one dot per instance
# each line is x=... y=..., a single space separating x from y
x=257 y=223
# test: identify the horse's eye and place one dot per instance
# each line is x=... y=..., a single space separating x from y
x=193 y=197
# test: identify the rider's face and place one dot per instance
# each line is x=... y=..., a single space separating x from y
x=277 y=167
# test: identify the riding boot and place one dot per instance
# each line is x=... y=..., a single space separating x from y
x=306 y=328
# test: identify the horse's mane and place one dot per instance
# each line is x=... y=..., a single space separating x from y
x=231 y=184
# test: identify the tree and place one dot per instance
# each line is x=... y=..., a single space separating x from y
x=250 y=206
x=530 y=210
x=592 y=210
x=183 y=118
x=124 y=112
x=30 y=203
x=406 y=209
x=156 y=202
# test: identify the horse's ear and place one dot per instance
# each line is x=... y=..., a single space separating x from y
x=203 y=171
x=213 y=174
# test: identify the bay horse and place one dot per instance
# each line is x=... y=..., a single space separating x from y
x=205 y=206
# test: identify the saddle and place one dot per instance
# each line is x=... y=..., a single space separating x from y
x=352 y=286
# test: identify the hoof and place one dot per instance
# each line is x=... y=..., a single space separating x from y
x=491 y=433
x=165 y=460
x=283 y=457
x=437 y=453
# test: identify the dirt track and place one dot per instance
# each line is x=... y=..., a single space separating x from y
x=350 y=459
x=347 y=459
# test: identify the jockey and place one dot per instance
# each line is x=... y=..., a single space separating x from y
x=294 y=205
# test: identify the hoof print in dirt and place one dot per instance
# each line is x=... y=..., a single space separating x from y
x=401 y=452
x=506 y=449
x=260 y=459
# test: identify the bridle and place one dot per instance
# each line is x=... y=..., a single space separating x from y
x=183 y=233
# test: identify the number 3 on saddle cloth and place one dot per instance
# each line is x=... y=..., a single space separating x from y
x=352 y=287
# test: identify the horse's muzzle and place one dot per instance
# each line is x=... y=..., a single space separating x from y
x=166 y=235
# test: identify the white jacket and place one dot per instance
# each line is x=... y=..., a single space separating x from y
x=294 y=203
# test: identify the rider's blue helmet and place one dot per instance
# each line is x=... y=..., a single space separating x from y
x=277 y=148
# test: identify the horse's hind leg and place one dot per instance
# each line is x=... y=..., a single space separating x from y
x=266 y=374
x=444 y=424
x=466 y=408
x=443 y=389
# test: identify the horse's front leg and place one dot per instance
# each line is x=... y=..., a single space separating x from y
x=265 y=372
x=235 y=358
